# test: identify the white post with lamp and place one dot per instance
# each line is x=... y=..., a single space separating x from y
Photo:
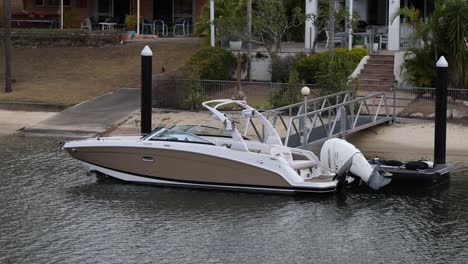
x=305 y=91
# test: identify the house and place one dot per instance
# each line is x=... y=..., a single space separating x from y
x=171 y=11
x=378 y=15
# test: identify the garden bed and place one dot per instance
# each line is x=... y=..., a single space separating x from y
x=62 y=38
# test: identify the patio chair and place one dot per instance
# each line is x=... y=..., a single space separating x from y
x=383 y=39
x=338 y=38
x=184 y=25
x=146 y=24
x=86 y=24
x=159 y=25
x=94 y=24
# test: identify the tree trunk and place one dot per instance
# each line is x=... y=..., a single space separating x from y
x=7 y=43
x=331 y=28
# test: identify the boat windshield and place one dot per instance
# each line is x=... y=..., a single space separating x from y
x=202 y=130
x=176 y=135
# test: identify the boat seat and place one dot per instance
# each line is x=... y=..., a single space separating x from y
x=285 y=152
x=302 y=164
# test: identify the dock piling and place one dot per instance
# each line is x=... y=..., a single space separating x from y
x=146 y=86
x=440 y=132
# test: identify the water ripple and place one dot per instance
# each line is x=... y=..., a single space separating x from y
x=51 y=212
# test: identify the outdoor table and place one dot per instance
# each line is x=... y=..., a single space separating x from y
x=109 y=25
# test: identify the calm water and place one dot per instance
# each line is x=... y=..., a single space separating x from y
x=51 y=212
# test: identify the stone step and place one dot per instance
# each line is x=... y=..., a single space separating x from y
x=376 y=75
x=378 y=65
x=371 y=70
x=387 y=82
x=376 y=88
x=380 y=61
x=382 y=57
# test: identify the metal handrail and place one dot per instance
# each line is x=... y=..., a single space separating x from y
x=347 y=93
x=276 y=114
x=337 y=113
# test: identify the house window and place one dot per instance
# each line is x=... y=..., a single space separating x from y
x=51 y=2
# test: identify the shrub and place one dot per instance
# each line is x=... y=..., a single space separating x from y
x=62 y=38
x=334 y=74
x=419 y=66
x=289 y=94
x=314 y=68
x=196 y=95
x=131 y=22
x=214 y=63
x=281 y=67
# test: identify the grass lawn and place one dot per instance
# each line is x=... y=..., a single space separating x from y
x=74 y=74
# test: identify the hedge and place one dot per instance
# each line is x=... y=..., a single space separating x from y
x=311 y=66
x=214 y=63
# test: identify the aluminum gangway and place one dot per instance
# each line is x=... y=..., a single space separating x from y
x=334 y=115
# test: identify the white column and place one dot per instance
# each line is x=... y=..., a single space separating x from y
x=212 y=27
x=61 y=14
x=309 y=36
x=394 y=25
x=350 y=30
x=138 y=17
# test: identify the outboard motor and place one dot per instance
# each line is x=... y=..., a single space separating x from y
x=338 y=155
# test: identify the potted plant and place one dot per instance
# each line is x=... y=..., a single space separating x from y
x=233 y=28
x=359 y=43
x=131 y=24
x=235 y=44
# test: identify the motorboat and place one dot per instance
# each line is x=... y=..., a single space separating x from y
x=200 y=156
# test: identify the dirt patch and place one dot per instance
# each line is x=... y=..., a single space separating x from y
x=74 y=74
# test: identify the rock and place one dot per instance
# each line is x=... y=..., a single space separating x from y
x=465 y=103
x=449 y=113
x=431 y=115
x=417 y=115
x=457 y=114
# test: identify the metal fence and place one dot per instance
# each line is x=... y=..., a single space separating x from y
x=186 y=94
x=417 y=104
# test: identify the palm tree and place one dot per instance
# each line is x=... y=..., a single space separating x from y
x=444 y=34
x=450 y=30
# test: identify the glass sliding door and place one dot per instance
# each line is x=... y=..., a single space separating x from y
x=104 y=9
x=173 y=11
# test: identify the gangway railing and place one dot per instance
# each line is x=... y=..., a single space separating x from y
x=335 y=120
x=287 y=112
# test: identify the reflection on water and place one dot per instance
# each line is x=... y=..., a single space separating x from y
x=51 y=212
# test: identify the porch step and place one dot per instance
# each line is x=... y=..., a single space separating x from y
x=380 y=61
x=375 y=87
x=371 y=70
x=379 y=65
x=377 y=76
x=366 y=80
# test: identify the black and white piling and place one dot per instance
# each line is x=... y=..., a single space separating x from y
x=440 y=133
x=146 y=86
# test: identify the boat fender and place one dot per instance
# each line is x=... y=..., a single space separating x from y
x=395 y=163
x=430 y=164
x=416 y=165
